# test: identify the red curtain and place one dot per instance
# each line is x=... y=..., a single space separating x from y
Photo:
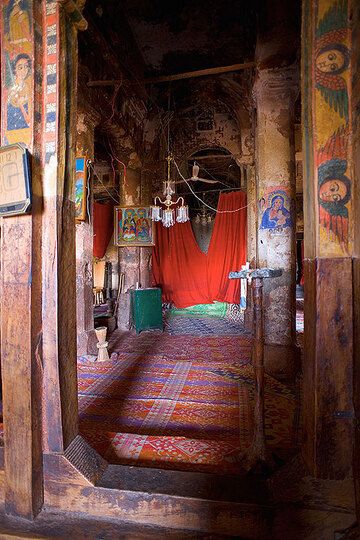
x=188 y=276
x=103 y=222
x=227 y=249
x=179 y=266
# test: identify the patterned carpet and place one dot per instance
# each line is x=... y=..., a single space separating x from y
x=202 y=327
x=180 y=402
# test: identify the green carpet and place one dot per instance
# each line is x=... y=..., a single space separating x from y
x=217 y=309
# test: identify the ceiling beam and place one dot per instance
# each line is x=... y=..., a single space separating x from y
x=200 y=73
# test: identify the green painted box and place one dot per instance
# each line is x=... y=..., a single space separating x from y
x=146 y=309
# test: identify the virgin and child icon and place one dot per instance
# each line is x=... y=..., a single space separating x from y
x=276 y=215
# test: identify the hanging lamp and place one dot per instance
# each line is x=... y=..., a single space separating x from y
x=167 y=215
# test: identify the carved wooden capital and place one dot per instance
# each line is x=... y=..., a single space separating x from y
x=73 y=10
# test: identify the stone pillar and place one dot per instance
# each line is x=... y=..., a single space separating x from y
x=134 y=262
x=129 y=257
x=85 y=126
x=275 y=92
x=329 y=111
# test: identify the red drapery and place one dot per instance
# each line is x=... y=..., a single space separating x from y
x=103 y=222
x=227 y=249
x=188 y=276
x=179 y=266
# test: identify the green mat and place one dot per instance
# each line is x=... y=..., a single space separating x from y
x=217 y=309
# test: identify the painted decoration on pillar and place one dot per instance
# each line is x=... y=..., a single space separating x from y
x=51 y=59
x=133 y=226
x=80 y=189
x=275 y=208
x=17 y=72
x=331 y=57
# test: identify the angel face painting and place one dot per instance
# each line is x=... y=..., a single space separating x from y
x=333 y=58
x=334 y=192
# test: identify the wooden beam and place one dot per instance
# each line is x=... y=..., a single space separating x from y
x=200 y=73
x=212 y=156
x=111 y=82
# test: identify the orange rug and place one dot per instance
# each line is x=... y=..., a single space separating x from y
x=180 y=402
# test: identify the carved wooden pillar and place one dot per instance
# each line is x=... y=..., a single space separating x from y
x=21 y=286
x=86 y=122
x=356 y=260
x=60 y=416
x=38 y=250
x=275 y=91
x=328 y=233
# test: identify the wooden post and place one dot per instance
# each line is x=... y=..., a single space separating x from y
x=259 y=445
x=257 y=457
x=330 y=284
x=21 y=288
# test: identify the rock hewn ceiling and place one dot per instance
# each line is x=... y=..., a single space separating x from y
x=181 y=35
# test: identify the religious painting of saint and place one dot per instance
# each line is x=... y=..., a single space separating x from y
x=133 y=226
x=18 y=114
x=17 y=21
x=18 y=99
x=276 y=215
x=334 y=192
x=80 y=189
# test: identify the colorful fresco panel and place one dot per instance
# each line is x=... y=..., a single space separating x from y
x=133 y=226
x=80 y=189
x=17 y=72
x=331 y=96
x=275 y=207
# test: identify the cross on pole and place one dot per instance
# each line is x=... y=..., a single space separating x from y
x=257 y=456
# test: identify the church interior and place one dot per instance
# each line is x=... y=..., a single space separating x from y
x=179 y=269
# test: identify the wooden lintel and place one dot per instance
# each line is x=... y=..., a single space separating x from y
x=200 y=73
x=112 y=82
x=212 y=156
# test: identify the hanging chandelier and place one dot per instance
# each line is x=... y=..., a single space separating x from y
x=167 y=215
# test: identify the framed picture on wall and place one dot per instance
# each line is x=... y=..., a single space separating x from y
x=15 y=194
x=133 y=226
x=80 y=189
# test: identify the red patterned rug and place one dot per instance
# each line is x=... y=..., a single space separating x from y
x=179 y=402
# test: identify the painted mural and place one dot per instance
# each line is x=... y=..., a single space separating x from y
x=331 y=65
x=275 y=208
x=17 y=72
x=133 y=226
x=80 y=189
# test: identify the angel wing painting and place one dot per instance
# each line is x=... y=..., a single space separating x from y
x=332 y=58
